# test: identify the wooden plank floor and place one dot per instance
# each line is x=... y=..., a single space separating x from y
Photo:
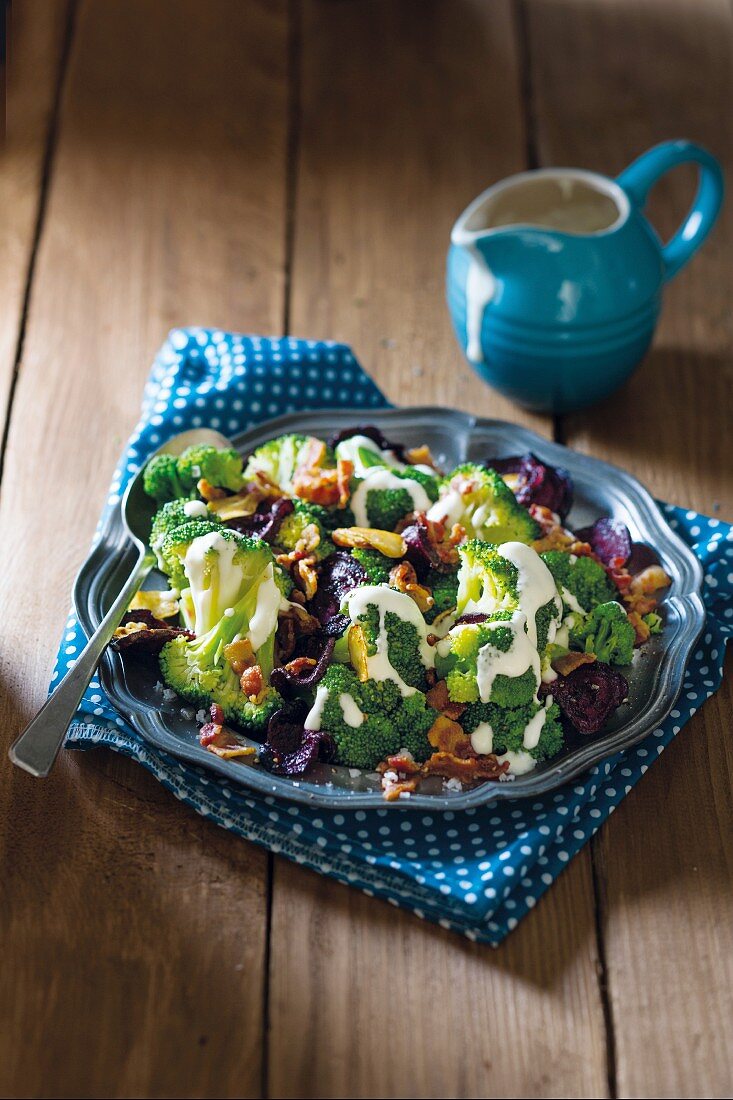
x=295 y=166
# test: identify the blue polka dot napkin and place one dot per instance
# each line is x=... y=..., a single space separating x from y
x=477 y=871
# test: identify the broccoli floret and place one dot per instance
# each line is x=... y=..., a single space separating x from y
x=459 y=665
x=292 y=527
x=197 y=674
x=546 y=615
x=608 y=633
x=173 y=548
x=444 y=587
x=376 y=566
x=403 y=644
x=329 y=518
x=161 y=480
x=277 y=459
x=173 y=514
x=654 y=622
x=386 y=507
x=220 y=466
x=583 y=577
x=390 y=722
x=486 y=580
x=488 y=508
x=235 y=595
x=508 y=726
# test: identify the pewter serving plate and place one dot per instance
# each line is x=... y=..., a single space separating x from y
x=600 y=490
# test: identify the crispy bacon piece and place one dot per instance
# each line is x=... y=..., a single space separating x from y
x=650 y=580
x=570 y=661
x=402 y=774
x=252 y=682
x=305 y=576
x=468 y=770
x=439 y=698
x=641 y=630
x=329 y=487
x=292 y=625
x=305 y=547
x=446 y=735
x=239 y=654
x=215 y=737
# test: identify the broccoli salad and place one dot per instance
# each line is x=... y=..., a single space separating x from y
x=349 y=603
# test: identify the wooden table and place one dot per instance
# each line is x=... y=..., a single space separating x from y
x=296 y=167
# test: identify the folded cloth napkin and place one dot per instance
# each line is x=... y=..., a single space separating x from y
x=476 y=871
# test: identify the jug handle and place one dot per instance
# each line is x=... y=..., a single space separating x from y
x=640 y=176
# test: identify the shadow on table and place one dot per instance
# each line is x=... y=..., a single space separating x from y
x=667 y=404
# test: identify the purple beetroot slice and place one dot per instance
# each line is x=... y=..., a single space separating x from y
x=265 y=522
x=421 y=551
x=609 y=539
x=641 y=557
x=290 y=749
x=539 y=483
x=370 y=431
x=589 y=695
x=288 y=683
x=338 y=575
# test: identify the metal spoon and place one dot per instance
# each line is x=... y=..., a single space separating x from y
x=37 y=746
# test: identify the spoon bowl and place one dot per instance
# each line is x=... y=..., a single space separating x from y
x=36 y=748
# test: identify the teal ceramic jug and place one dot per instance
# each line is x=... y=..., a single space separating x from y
x=555 y=276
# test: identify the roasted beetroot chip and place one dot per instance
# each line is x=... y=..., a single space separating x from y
x=538 y=483
x=338 y=575
x=371 y=432
x=290 y=749
x=144 y=616
x=473 y=619
x=641 y=557
x=609 y=539
x=142 y=642
x=288 y=681
x=589 y=695
x=265 y=522
x=422 y=553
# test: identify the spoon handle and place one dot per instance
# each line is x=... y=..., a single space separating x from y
x=36 y=748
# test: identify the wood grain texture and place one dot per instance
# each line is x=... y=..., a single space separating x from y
x=406 y=112
x=652 y=71
x=36 y=38
x=133 y=931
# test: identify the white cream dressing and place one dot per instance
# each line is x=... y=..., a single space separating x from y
x=314 y=717
x=482 y=739
x=536 y=585
x=195 y=509
x=533 y=730
x=379 y=477
x=351 y=710
x=519 y=762
x=230 y=575
x=449 y=509
x=349 y=449
x=480 y=290
x=520 y=656
x=264 y=620
x=389 y=599
x=571 y=601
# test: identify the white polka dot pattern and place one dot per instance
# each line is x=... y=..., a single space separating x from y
x=478 y=871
